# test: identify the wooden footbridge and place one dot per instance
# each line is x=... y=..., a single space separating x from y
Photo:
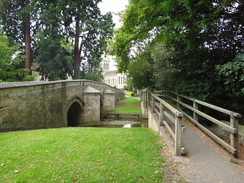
x=166 y=109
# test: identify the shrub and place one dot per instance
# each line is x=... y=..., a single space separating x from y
x=129 y=93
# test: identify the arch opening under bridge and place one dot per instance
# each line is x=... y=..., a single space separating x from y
x=74 y=115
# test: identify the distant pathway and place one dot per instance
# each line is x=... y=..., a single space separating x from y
x=204 y=164
x=138 y=98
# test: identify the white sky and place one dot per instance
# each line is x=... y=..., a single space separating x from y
x=115 y=6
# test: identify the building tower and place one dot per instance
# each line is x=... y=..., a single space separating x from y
x=110 y=75
x=105 y=63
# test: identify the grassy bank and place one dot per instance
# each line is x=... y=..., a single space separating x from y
x=128 y=105
x=81 y=155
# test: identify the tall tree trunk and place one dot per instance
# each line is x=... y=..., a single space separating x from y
x=76 y=50
x=27 y=41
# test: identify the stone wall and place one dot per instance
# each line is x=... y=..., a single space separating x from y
x=108 y=100
x=153 y=121
x=92 y=106
x=32 y=105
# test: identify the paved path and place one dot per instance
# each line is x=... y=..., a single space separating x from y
x=137 y=98
x=203 y=163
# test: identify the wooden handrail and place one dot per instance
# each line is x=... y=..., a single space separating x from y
x=159 y=106
x=220 y=109
x=210 y=118
x=217 y=108
x=232 y=128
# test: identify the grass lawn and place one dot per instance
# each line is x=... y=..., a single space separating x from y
x=128 y=105
x=81 y=155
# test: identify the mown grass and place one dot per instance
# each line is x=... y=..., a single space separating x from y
x=81 y=155
x=128 y=105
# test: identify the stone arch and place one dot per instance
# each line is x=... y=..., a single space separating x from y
x=74 y=112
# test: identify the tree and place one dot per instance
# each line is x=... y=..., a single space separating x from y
x=48 y=23
x=52 y=52
x=27 y=37
x=141 y=69
x=186 y=25
x=16 y=23
x=9 y=61
x=55 y=62
x=3 y=5
x=90 y=32
x=231 y=75
x=165 y=72
x=197 y=36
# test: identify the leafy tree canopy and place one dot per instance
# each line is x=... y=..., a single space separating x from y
x=187 y=39
x=40 y=26
x=141 y=69
x=10 y=61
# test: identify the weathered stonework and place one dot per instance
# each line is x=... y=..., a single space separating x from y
x=92 y=110
x=153 y=122
x=108 y=100
x=32 y=105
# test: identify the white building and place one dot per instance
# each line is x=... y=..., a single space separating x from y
x=110 y=75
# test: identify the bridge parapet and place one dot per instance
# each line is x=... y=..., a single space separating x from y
x=32 y=105
x=92 y=107
x=109 y=100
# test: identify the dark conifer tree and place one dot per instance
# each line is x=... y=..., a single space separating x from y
x=16 y=20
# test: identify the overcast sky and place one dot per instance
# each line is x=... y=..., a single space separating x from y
x=114 y=6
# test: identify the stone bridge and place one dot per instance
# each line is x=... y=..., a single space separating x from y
x=33 y=105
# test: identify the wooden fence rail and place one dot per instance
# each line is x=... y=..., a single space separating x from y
x=168 y=116
x=234 y=117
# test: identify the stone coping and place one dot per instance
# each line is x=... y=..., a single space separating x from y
x=36 y=83
x=89 y=89
x=108 y=91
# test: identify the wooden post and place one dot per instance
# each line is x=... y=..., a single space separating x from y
x=167 y=95
x=178 y=118
x=234 y=138
x=163 y=95
x=153 y=104
x=161 y=115
x=178 y=99
x=195 y=106
x=144 y=98
x=147 y=99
